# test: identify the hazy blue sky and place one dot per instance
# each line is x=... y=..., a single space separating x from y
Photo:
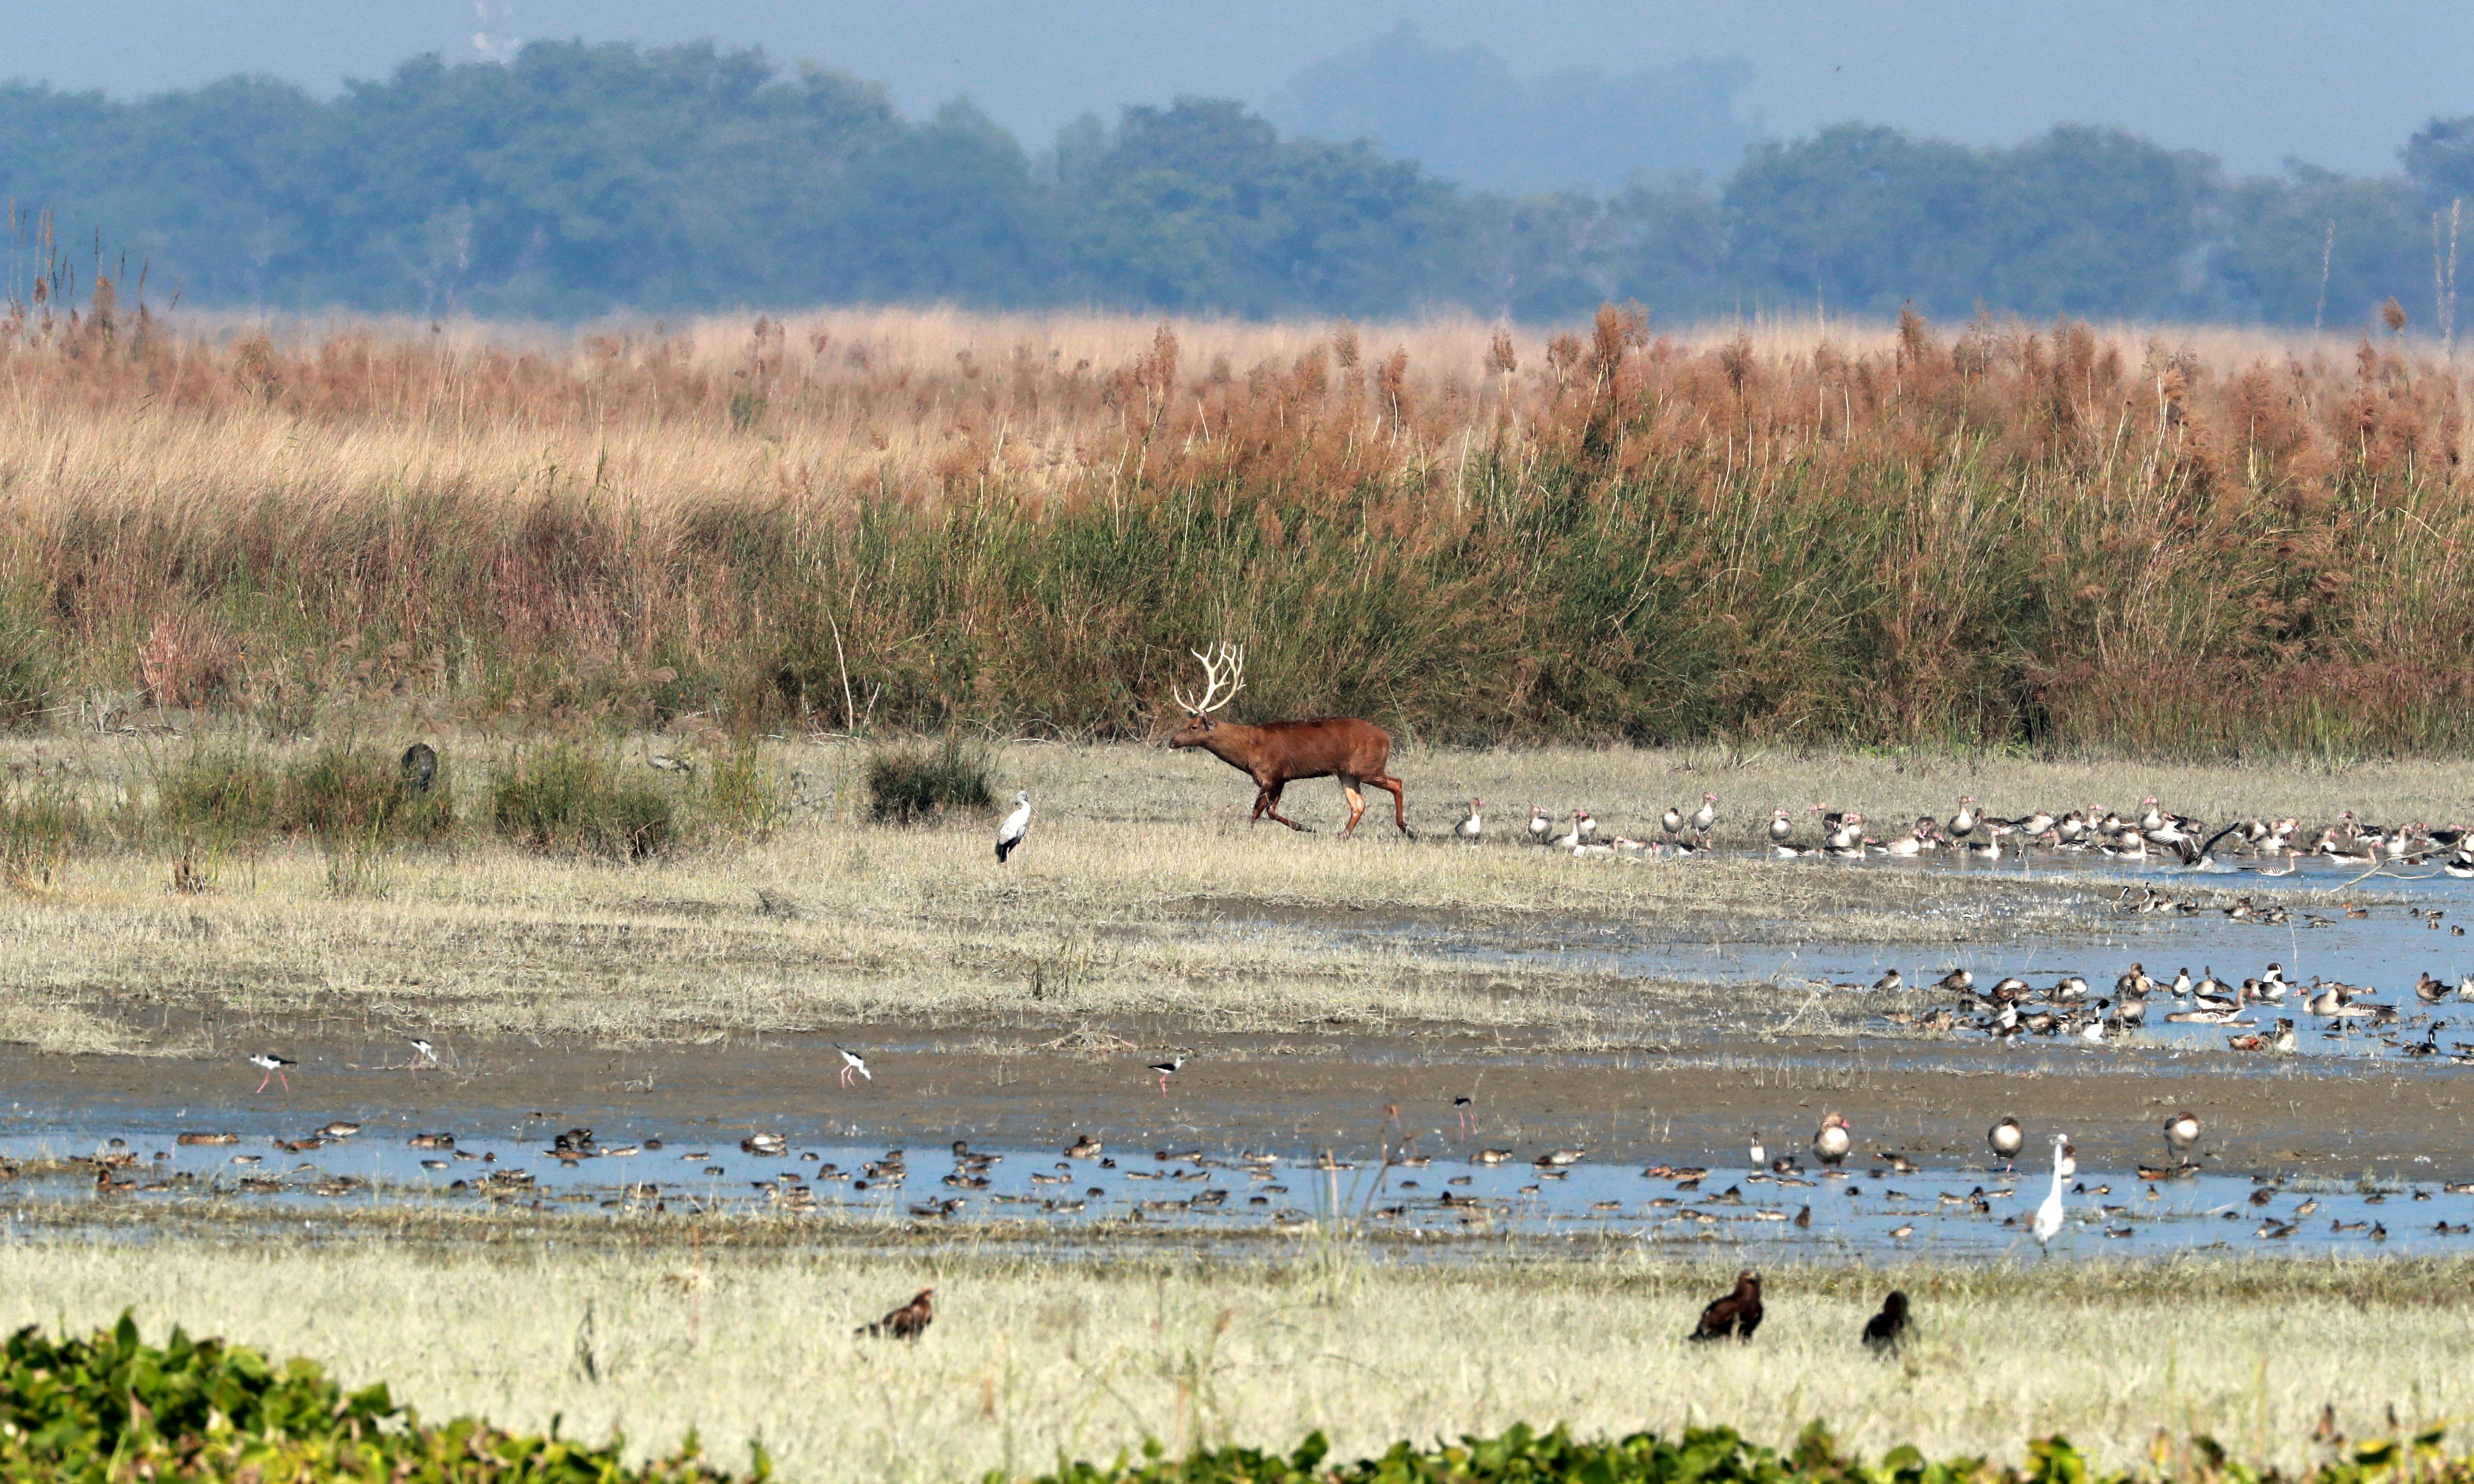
x=2251 y=82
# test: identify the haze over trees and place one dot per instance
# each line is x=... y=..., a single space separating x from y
x=581 y=179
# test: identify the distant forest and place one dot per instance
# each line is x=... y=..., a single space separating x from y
x=579 y=180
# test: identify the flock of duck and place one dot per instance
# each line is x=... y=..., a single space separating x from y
x=2147 y=832
x=2011 y=1007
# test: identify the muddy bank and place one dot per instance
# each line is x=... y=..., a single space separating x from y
x=1299 y=1094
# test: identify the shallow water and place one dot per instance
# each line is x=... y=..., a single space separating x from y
x=1958 y=1209
x=2386 y=952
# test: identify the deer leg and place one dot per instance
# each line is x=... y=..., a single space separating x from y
x=1400 y=801
x=1267 y=802
x=1356 y=804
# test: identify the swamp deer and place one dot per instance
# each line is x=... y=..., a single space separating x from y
x=1279 y=753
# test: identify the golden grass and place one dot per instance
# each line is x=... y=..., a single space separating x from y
x=2081 y=538
x=1031 y=1360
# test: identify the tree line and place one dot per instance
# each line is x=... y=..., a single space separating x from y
x=582 y=180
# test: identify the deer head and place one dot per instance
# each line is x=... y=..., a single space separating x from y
x=1223 y=666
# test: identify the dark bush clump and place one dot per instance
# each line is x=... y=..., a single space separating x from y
x=912 y=782
x=569 y=799
x=339 y=794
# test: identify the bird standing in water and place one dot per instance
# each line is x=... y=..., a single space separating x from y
x=273 y=1065
x=2048 y=1216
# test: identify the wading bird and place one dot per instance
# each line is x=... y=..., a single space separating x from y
x=2048 y=1216
x=906 y=1323
x=853 y=1062
x=1164 y=1070
x=274 y=1066
x=1734 y=1316
x=1016 y=825
x=423 y=1051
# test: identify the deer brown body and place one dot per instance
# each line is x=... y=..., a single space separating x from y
x=1278 y=753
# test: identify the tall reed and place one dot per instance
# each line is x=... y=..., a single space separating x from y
x=2052 y=536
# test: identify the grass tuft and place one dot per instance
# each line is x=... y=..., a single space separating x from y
x=570 y=799
x=912 y=781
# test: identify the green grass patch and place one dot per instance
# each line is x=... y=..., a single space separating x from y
x=220 y=795
x=913 y=781
x=570 y=799
x=340 y=793
x=110 y=1406
x=39 y=824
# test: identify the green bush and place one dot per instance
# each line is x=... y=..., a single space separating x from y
x=746 y=790
x=221 y=796
x=112 y=1406
x=1719 y=1455
x=39 y=824
x=569 y=799
x=912 y=782
x=339 y=794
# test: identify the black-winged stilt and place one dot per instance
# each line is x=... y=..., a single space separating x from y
x=423 y=1051
x=1164 y=1070
x=1016 y=825
x=1462 y=1103
x=852 y=1062
x=274 y=1066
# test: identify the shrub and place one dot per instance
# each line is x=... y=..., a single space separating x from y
x=39 y=826
x=337 y=793
x=26 y=673
x=112 y=1406
x=746 y=790
x=569 y=799
x=912 y=782
x=221 y=796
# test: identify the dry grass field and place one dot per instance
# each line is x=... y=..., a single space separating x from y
x=1141 y=895
x=1031 y=1360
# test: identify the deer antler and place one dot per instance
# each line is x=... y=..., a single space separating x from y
x=1222 y=656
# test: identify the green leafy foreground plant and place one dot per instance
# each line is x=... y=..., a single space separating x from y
x=1719 y=1455
x=113 y=1407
